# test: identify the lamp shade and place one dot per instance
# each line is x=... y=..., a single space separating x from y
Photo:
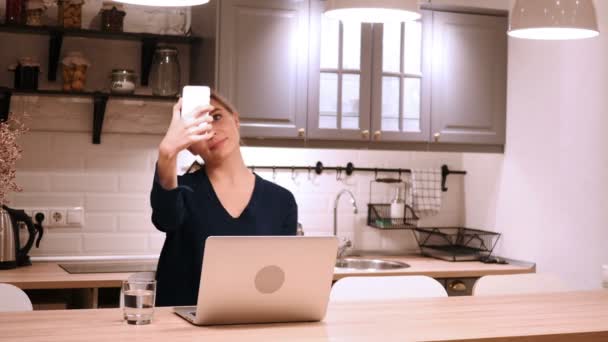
x=373 y=11
x=164 y=3
x=553 y=19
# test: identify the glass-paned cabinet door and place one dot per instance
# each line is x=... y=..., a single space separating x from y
x=400 y=110
x=340 y=78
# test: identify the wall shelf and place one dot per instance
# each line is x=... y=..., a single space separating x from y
x=56 y=34
x=100 y=101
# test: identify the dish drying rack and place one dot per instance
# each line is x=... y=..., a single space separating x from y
x=456 y=243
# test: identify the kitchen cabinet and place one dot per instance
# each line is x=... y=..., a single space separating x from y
x=292 y=73
x=469 y=78
x=262 y=64
x=442 y=79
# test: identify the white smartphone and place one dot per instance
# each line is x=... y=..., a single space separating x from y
x=193 y=97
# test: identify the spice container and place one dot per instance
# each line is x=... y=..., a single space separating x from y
x=123 y=81
x=26 y=74
x=112 y=16
x=74 y=71
x=34 y=11
x=14 y=11
x=69 y=13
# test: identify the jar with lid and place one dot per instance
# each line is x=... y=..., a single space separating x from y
x=26 y=71
x=165 y=72
x=69 y=14
x=112 y=16
x=34 y=12
x=14 y=11
x=123 y=81
x=74 y=71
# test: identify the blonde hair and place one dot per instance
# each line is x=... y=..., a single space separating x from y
x=215 y=96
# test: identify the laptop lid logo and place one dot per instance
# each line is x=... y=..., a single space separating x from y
x=269 y=279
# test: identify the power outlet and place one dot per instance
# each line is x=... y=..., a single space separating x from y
x=43 y=212
x=57 y=217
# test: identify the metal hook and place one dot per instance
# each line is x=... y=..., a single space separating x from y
x=274 y=174
x=375 y=174
x=338 y=174
x=309 y=175
x=293 y=173
x=399 y=174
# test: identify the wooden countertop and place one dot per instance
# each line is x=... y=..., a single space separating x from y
x=46 y=275
x=555 y=317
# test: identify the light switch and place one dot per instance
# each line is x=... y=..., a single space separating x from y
x=75 y=217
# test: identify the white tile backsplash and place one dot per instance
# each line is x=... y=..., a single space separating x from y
x=84 y=183
x=112 y=183
x=115 y=243
x=100 y=223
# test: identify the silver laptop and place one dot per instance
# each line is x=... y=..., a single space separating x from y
x=263 y=279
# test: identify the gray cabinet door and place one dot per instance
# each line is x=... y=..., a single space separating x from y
x=401 y=81
x=469 y=78
x=339 y=78
x=262 y=63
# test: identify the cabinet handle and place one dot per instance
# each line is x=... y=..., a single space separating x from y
x=365 y=134
x=436 y=136
x=377 y=135
x=457 y=285
x=301 y=132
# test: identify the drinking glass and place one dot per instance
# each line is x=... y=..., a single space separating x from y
x=138 y=299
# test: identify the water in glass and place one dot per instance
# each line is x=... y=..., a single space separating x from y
x=139 y=300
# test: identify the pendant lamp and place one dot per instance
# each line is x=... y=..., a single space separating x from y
x=164 y=3
x=553 y=19
x=373 y=11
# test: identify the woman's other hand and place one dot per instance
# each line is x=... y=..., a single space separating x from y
x=182 y=134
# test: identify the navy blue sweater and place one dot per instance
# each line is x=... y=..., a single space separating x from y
x=192 y=212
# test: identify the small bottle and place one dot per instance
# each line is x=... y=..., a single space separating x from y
x=605 y=276
x=397 y=206
x=299 y=230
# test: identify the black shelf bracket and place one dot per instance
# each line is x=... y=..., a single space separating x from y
x=55 y=43
x=100 y=100
x=5 y=103
x=148 y=46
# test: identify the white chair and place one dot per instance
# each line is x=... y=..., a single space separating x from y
x=379 y=288
x=518 y=284
x=13 y=299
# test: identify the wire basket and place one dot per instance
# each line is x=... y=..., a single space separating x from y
x=456 y=243
x=378 y=216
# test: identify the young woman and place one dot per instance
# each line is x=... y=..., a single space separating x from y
x=222 y=198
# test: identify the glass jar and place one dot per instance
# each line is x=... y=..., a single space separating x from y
x=34 y=12
x=165 y=72
x=123 y=81
x=74 y=71
x=69 y=14
x=112 y=16
x=605 y=276
x=14 y=11
x=26 y=73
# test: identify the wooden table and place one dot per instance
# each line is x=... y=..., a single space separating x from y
x=555 y=317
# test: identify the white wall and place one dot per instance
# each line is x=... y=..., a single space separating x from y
x=548 y=193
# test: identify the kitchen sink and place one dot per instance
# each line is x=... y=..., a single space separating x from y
x=370 y=264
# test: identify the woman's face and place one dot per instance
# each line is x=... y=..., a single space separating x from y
x=226 y=140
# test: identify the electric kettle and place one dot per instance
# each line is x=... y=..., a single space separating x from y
x=11 y=253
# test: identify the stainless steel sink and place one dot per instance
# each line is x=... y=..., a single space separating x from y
x=370 y=264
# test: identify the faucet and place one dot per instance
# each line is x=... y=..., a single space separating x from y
x=347 y=242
